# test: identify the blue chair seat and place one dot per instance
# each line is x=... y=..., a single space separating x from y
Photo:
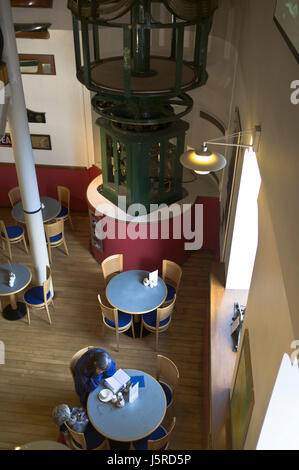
x=92 y=437
x=141 y=444
x=63 y=213
x=123 y=320
x=13 y=231
x=150 y=319
x=167 y=392
x=56 y=238
x=170 y=292
x=35 y=295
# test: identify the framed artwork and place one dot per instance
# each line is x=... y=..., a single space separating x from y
x=286 y=18
x=228 y=181
x=37 y=64
x=242 y=396
x=41 y=142
x=32 y=30
x=32 y=3
x=34 y=116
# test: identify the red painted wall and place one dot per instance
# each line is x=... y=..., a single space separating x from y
x=77 y=180
x=148 y=253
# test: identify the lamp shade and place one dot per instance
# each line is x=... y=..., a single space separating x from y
x=202 y=161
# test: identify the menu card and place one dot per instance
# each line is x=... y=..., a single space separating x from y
x=153 y=278
x=133 y=392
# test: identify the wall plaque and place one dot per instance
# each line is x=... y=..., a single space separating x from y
x=32 y=3
x=32 y=30
x=34 y=116
x=37 y=64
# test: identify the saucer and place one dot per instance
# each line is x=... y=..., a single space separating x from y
x=105 y=395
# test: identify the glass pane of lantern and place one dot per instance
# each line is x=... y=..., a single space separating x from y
x=170 y=163
x=154 y=171
x=110 y=161
x=122 y=166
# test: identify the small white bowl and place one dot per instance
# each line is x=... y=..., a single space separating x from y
x=105 y=395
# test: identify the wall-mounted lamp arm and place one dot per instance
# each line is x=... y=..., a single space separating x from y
x=256 y=131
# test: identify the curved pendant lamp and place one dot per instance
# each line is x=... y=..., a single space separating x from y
x=203 y=161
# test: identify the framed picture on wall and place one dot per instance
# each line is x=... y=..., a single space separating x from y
x=242 y=396
x=286 y=18
x=32 y=3
x=228 y=181
x=41 y=142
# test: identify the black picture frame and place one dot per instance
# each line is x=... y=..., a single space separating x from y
x=284 y=33
x=41 y=142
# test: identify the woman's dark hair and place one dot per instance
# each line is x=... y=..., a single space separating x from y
x=98 y=360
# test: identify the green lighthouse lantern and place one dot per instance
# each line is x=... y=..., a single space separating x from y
x=141 y=93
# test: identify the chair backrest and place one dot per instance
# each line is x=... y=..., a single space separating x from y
x=77 y=356
x=171 y=271
x=165 y=312
x=54 y=228
x=77 y=436
x=3 y=229
x=64 y=195
x=112 y=264
x=108 y=312
x=158 y=444
x=47 y=284
x=167 y=371
x=14 y=195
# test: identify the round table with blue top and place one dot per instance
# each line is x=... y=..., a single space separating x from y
x=127 y=293
x=15 y=310
x=50 y=209
x=135 y=420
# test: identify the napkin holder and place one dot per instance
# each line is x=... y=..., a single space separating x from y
x=11 y=279
x=133 y=392
x=152 y=280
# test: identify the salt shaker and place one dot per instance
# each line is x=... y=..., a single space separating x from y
x=120 y=400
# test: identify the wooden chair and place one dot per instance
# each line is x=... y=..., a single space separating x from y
x=158 y=320
x=12 y=234
x=116 y=320
x=77 y=356
x=89 y=440
x=14 y=195
x=40 y=296
x=168 y=376
x=64 y=197
x=157 y=440
x=171 y=275
x=112 y=265
x=55 y=236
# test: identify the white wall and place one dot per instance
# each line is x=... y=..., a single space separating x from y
x=64 y=100
x=265 y=72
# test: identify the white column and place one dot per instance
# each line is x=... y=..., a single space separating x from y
x=22 y=148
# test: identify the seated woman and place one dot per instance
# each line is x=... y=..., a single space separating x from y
x=92 y=366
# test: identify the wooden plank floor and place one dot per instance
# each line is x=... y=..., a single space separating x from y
x=35 y=377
